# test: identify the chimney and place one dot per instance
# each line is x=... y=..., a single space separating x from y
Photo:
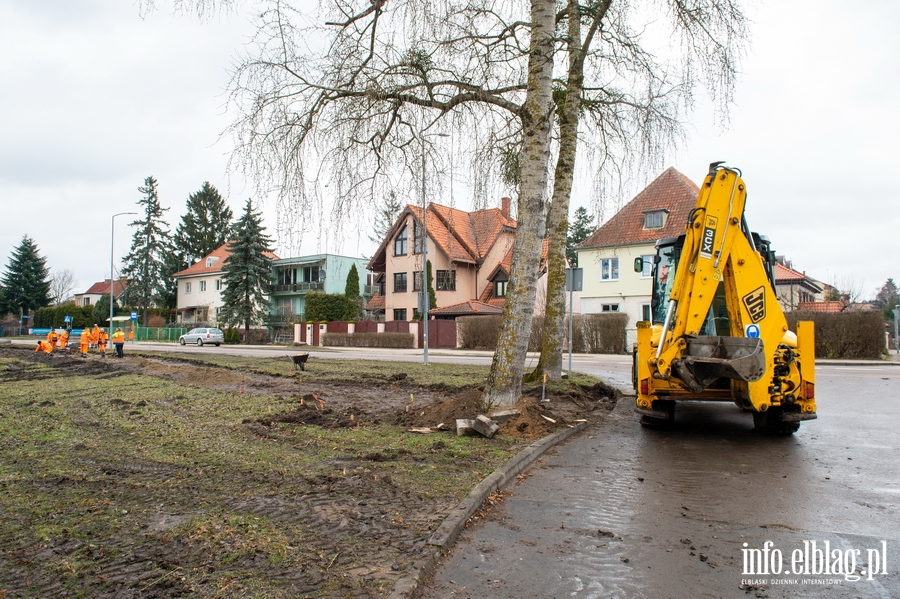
x=504 y=207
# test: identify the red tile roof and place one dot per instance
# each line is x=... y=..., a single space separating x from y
x=467 y=308
x=671 y=191
x=829 y=307
x=103 y=288
x=200 y=267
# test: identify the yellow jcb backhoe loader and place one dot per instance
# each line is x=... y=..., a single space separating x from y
x=718 y=332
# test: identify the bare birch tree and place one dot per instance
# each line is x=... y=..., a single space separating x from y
x=345 y=98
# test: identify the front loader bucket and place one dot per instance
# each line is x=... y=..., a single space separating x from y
x=711 y=358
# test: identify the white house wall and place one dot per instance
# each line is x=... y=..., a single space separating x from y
x=631 y=291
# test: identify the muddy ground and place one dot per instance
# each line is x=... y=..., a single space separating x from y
x=350 y=535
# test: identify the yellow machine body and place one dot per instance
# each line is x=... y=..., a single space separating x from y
x=721 y=286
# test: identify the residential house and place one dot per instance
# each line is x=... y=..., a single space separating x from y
x=794 y=288
x=99 y=290
x=607 y=256
x=200 y=287
x=294 y=278
x=469 y=252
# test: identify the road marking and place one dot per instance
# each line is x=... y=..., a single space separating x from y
x=860 y=368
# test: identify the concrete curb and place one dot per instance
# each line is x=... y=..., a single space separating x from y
x=447 y=533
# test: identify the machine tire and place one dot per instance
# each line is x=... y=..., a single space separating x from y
x=199 y=342
x=769 y=423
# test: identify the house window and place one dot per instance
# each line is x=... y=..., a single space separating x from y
x=648 y=266
x=500 y=288
x=218 y=284
x=417 y=236
x=417 y=280
x=310 y=274
x=285 y=306
x=609 y=269
x=202 y=286
x=655 y=219
x=645 y=312
x=210 y=262
x=87 y=301
x=610 y=307
x=400 y=314
x=399 y=283
x=286 y=276
x=400 y=243
x=187 y=287
x=446 y=280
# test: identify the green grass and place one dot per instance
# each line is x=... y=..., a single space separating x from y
x=106 y=471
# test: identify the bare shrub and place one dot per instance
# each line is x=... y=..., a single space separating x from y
x=849 y=335
x=604 y=333
x=478 y=332
x=155 y=322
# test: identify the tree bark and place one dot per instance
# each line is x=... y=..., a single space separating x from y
x=568 y=113
x=504 y=383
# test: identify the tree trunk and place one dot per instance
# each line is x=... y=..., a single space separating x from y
x=504 y=383
x=569 y=111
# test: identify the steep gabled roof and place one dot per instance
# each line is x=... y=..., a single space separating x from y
x=786 y=276
x=219 y=255
x=671 y=191
x=464 y=237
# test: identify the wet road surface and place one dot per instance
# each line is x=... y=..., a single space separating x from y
x=622 y=511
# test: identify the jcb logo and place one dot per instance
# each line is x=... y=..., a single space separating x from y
x=709 y=237
x=755 y=302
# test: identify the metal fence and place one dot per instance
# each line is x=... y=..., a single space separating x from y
x=158 y=333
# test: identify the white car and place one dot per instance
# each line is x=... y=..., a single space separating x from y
x=201 y=336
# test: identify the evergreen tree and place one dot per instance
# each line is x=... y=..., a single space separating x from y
x=247 y=272
x=172 y=262
x=25 y=285
x=887 y=299
x=354 y=304
x=351 y=288
x=385 y=217
x=204 y=227
x=581 y=228
x=143 y=265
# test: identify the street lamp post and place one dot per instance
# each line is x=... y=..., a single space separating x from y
x=112 y=237
x=426 y=299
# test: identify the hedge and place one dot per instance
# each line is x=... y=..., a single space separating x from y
x=848 y=335
x=385 y=340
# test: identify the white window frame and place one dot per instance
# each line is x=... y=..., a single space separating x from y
x=218 y=284
x=609 y=307
x=609 y=269
x=202 y=286
x=187 y=287
x=646 y=312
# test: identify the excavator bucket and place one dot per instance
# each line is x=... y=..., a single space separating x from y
x=711 y=358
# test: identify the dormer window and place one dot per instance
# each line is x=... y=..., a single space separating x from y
x=211 y=261
x=655 y=219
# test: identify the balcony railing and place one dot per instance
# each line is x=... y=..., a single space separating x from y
x=298 y=287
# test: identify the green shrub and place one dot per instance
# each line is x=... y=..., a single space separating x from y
x=232 y=336
x=327 y=307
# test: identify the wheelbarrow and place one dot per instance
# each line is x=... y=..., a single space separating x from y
x=299 y=360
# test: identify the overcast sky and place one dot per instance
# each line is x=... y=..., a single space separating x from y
x=94 y=98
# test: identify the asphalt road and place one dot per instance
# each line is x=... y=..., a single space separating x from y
x=622 y=511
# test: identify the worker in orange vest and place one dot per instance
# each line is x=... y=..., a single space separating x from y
x=64 y=339
x=95 y=336
x=85 y=341
x=118 y=340
x=52 y=339
x=43 y=346
x=104 y=338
